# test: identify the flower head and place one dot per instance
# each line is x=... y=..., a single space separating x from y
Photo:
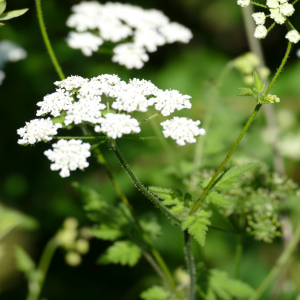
x=37 y=130
x=68 y=156
x=293 y=36
x=182 y=130
x=115 y=125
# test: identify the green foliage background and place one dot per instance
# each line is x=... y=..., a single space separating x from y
x=28 y=185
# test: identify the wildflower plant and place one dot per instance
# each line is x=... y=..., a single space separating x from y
x=106 y=108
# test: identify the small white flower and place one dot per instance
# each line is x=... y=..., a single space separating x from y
x=259 y=18
x=37 y=130
x=293 y=36
x=55 y=103
x=182 y=130
x=175 y=32
x=272 y=3
x=148 y=38
x=86 y=42
x=71 y=83
x=130 y=56
x=85 y=110
x=168 y=101
x=115 y=125
x=68 y=156
x=260 y=32
x=277 y=16
x=10 y=51
x=287 y=9
x=243 y=3
x=110 y=85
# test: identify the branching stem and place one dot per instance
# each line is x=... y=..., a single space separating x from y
x=163 y=267
x=140 y=186
x=200 y=200
x=47 y=41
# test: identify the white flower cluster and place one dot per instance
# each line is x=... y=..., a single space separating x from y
x=115 y=22
x=279 y=11
x=10 y=52
x=115 y=125
x=182 y=130
x=68 y=156
x=37 y=130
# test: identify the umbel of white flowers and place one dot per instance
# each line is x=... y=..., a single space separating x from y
x=78 y=100
x=146 y=29
x=279 y=11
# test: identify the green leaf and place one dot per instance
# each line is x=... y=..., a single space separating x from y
x=151 y=226
x=259 y=85
x=245 y=92
x=106 y=232
x=197 y=226
x=2 y=6
x=169 y=196
x=122 y=252
x=215 y=284
x=217 y=198
x=232 y=176
x=13 y=14
x=23 y=260
x=154 y=293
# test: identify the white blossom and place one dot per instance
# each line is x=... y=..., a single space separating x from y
x=68 y=156
x=85 y=110
x=169 y=100
x=259 y=18
x=182 y=130
x=55 y=103
x=86 y=42
x=10 y=51
x=287 y=9
x=273 y=3
x=130 y=56
x=243 y=3
x=71 y=83
x=110 y=85
x=293 y=36
x=37 y=130
x=116 y=22
x=277 y=16
x=260 y=32
x=115 y=125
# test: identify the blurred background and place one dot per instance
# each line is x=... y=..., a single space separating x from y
x=29 y=186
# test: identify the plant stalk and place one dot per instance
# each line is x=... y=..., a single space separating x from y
x=47 y=41
x=163 y=267
x=200 y=200
x=190 y=263
x=140 y=186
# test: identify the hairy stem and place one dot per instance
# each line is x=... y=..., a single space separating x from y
x=258 y=4
x=162 y=265
x=255 y=47
x=190 y=263
x=282 y=260
x=43 y=267
x=207 y=121
x=200 y=200
x=47 y=41
x=141 y=187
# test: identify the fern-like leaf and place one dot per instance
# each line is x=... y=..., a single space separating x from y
x=217 y=199
x=197 y=226
x=122 y=252
x=233 y=176
x=154 y=293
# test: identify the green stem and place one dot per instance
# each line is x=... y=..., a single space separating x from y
x=163 y=267
x=43 y=268
x=261 y=5
x=200 y=200
x=294 y=2
x=190 y=263
x=290 y=24
x=47 y=41
x=269 y=29
x=142 y=188
x=149 y=118
x=207 y=122
x=282 y=260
